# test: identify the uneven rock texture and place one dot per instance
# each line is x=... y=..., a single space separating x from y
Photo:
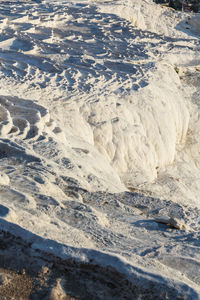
x=99 y=150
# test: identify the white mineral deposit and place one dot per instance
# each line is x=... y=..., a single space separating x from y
x=99 y=141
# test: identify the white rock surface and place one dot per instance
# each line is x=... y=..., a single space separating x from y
x=98 y=99
x=4 y=179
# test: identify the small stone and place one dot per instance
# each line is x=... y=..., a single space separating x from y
x=172 y=222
